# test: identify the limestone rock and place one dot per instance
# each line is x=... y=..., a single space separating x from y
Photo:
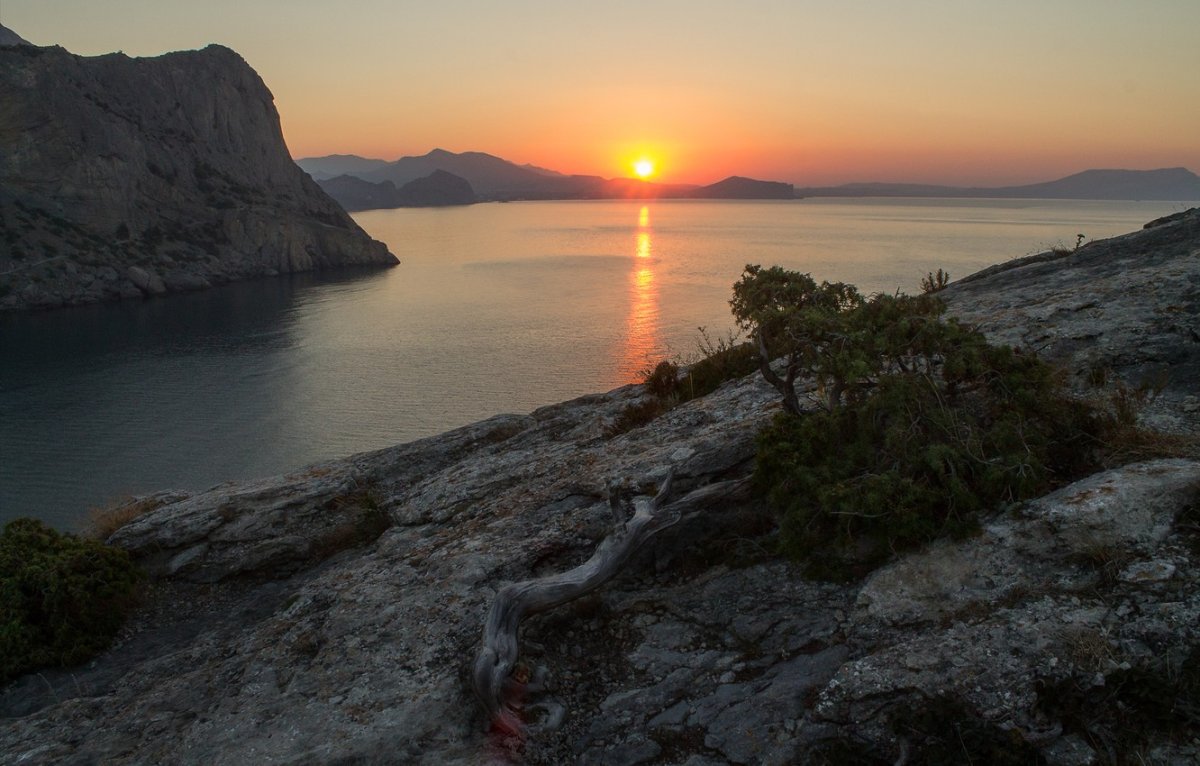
x=170 y=171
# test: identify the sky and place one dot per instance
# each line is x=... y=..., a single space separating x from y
x=810 y=92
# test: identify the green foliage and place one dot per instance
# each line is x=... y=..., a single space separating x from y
x=788 y=314
x=669 y=385
x=636 y=415
x=935 y=282
x=924 y=428
x=663 y=381
x=62 y=598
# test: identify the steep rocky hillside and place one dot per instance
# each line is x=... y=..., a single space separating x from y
x=335 y=615
x=122 y=177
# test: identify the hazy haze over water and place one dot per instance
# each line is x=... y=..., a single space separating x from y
x=495 y=308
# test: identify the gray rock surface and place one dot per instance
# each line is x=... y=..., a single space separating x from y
x=1127 y=307
x=122 y=177
x=286 y=625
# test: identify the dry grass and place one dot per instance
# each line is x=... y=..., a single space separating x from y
x=102 y=522
x=1131 y=444
x=1089 y=648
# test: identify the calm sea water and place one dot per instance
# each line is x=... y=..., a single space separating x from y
x=495 y=308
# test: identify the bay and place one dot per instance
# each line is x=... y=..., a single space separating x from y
x=495 y=308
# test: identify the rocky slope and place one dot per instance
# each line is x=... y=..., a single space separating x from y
x=332 y=615
x=123 y=177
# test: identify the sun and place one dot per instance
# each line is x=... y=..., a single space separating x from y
x=644 y=168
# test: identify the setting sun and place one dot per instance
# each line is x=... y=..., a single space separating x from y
x=644 y=168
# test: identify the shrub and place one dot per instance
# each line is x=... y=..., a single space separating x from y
x=62 y=598
x=922 y=427
x=719 y=361
x=663 y=381
x=935 y=282
x=788 y=314
x=636 y=415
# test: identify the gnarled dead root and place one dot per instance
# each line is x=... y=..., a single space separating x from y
x=498 y=656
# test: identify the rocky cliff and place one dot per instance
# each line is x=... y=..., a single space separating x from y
x=122 y=177
x=333 y=615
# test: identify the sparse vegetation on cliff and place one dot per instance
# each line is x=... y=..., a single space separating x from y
x=920 y=426
x=670 y=385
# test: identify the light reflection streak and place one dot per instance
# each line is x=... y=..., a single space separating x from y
x=641 y=334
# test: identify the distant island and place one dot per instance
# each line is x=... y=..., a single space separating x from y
x=360 y=183
x=1165 y=184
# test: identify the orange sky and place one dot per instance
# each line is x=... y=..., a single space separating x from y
x=804 y=91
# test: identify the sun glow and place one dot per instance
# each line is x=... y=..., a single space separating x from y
x=644 y=168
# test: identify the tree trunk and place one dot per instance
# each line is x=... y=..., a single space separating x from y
x=498 y=656
x=787 y=388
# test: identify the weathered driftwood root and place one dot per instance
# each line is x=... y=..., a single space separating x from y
x=497 y=691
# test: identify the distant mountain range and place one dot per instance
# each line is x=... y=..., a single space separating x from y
x=438 y=189
x=1166 y=184
x=493 y=178
x=360 y=183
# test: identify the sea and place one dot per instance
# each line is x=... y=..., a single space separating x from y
x=495 y=308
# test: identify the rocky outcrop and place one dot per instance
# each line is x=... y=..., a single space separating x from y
x=123 y=177
x=1123 y=308
x=313 y=635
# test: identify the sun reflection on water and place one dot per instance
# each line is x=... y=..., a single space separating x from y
x=641 y=334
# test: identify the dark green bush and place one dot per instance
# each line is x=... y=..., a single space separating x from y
x=636 y=415
x=62 y=598
x=720 y=361
x=935 y=282
x=921 y=428
x=724 y=361
x=663 y=381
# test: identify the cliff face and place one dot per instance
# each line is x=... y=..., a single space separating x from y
x=313 y=635
x=121 y=177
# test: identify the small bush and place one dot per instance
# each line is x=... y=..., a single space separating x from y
x=636 y=415
x=720 y=361
x=62 y=598
x=935 y=282
x=663 y=381
x=922 y=426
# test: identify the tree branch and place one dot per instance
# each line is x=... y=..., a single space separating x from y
x=498 y=656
